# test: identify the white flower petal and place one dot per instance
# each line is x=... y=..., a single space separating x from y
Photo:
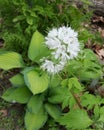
x=64 y=44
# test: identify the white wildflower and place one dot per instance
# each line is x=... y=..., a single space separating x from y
x=59 y=51
x=64 y=45
x=51 y=67
x=64 y=41
x=53 y=33
x=52 y=43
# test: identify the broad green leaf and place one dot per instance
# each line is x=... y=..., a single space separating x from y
x=35 y=103
x=90 y=74
x=9 y=60
x=55 y=81
x=74 y=83
x=35 y=121
x=75 y=119
x=61 y=95
x=53 y=110
x=58 y=95
x=17 y=80
x=37 y=48
x=35 y=81
x=20 y=95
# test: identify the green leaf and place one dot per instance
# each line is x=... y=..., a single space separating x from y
x=55 y=81
x=20 y=95
x=53 y=110
x=9 y=60
x=89 y=55
x=58 y=94
x=89 y=100
x=29 y=20
x=37 y=48
x=35 y=121
x=101 y=112
x=35 y=103
x=35 y=81
x=75 y=119
x=90 y=74
x=17 y=80
x=74 y=83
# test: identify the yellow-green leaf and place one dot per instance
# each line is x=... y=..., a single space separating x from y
x=35 y=103
x=35 y=81
x=20 y=94
x=37 y=48
x=17 y=80
x=9 y=60
x=53 y=110
x=35 y=121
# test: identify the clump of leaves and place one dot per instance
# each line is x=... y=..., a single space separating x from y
x=21 y=18
x=59 y=100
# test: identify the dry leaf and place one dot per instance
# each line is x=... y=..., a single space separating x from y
x=3 y=113
x=100 y=53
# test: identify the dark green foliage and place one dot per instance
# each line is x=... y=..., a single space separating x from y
x=20 y=18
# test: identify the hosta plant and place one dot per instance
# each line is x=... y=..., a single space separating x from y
x=53 y=84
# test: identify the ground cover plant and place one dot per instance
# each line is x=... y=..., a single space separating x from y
x=57 y=76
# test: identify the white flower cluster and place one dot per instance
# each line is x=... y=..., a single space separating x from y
x=63 y=43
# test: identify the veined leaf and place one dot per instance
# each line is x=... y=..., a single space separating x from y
x=75 y=119
x=35 y=121
x=73 y=82
x=20 y=95
x=90 y=74
x=37 y=48
x=89 y=100
x=35 y=103
x=9 y=60
x=58 y=95
x=55 y=81
x=101 y=112
x=36 y=83
x=53 y=110
x=17 y=80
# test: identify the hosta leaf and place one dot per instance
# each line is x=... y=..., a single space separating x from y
x=37 y=48
x=17 y=80
x=35 y=81
x=75 y=119
x=9 y=60
x=58 y=94
x=35 y=121
x=53 y=110
x=55 y=81
x=20 y=95
x=35 y=103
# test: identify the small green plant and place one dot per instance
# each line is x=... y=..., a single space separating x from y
x=53 y=87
